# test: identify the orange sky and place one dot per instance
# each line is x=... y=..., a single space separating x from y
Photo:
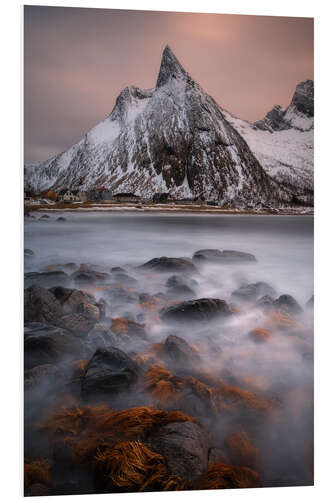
x=78 y=60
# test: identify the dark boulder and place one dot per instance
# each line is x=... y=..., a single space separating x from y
x=180 y=292
x=287 y=304
x=179 y=280
x=100 y=337
x=47 y=279
x=125 y=326
x=48 y=345
x=41 y=305
x=169 y=265
x=118 y=295
x=120 y=275
x=196 y=310
x=225 y=257
x=177 y=351
x=28 y=252
x=45 y=216
x=109 y=371
x=265 y=303
x=78 y=323
x=252 y=292
x=61 y=219
x=185 y=445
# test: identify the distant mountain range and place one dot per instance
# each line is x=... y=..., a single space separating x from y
x=175 y=138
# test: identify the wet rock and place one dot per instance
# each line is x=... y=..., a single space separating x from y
x=216 y=455
x=120 y=275
x=287 y=304
x=124 y=326
x=180 y=292
x=179 y=352
x=225 y=476
x=61 y=219
x=45 y=216
x=41 y=373
x=179 y=280
x=78 y=323
x=41 y=305
x=48 y=345
x=119 y=296
x=68 y=267
x=169 y=265
x=252 y=292
x=265 y=303
x=185 y=445
x=225 y=257
x=47 y=279
x=89 y=276
x=28 y=252
x=61 y=293
x=109 y=371
x=100 y=337
x=196 y=310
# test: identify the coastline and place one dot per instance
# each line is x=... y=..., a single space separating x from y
x=166 y=208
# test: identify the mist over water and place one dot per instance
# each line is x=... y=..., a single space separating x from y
x=278 y=371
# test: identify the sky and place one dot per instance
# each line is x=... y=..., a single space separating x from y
x=77 y=61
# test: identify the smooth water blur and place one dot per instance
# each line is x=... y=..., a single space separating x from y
x=283 y=245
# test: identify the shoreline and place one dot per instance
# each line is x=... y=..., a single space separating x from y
x=163 y=208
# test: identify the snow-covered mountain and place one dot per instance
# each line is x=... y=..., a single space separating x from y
x=172 y=138
x=283 y=140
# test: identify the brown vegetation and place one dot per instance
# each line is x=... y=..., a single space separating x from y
x=37 y=471
x=241 y=450
x=223 y=476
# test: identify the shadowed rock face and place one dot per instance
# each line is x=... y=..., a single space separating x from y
x=174 y=137
x=196 y=310
x=109 y=371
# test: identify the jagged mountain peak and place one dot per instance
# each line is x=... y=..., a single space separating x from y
x=303 y=98
x=170 y=68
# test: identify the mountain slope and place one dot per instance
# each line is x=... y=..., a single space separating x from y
x=283 y=140
x=171 y=138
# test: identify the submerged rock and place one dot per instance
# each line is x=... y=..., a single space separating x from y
x=28 y=252
x=61 y=219
x=225 y=257
x=89 y=276
x=109 y=371
x=252 y=292
x=179 y=352
x=196 y=310
x=170 y=265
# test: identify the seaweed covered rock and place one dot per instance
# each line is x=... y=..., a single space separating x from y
x=109 y=371
x=124 y=326
x=224 y=476
x=169 y=265
x=196 y=310
x=40 y=305
x=225 y=257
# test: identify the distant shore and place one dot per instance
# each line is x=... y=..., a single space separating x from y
x=165 y=207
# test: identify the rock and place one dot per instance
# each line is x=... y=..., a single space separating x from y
x=260 y=335
x=287 y=304
x=37 y=490
x=100 y=337
x=179 y=352
x=61 y=219
x=78 y=323
x=252 y=292
x=61 y=293
x=185 y=445
x=179 y=280
x=119 y=296
x=109 y=371
x=196 y=310
x=41 y=305
x=89 y=276
x=119 y=274
x=169 y=265
x=45 y=216
x=215 y=455
x=265 y=303
x=181 y=292
x=47 y=279
x=225 y=257
x=48 y=345
x=225 y=476
x=28 y=252
x=41 y=373
x=124 y=326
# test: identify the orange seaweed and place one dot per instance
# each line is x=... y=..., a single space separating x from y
x=224 y=476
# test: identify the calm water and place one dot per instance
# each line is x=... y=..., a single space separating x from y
x=283 y=245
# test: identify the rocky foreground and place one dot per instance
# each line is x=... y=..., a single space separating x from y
x=136 y=382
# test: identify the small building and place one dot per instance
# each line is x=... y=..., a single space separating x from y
x=126 y=197
x=68 y=196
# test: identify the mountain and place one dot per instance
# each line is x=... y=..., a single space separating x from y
x=172 y=138
x=283 y=141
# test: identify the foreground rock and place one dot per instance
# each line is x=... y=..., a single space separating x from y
x=225 y=257
x=179 y=352
x=47 y=279
x=41 y=305
x=169 y=265
x=196 y=310
x=185 y=445
x=109 y=372
x=124 y=326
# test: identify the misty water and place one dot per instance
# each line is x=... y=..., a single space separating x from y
x=279 y=369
